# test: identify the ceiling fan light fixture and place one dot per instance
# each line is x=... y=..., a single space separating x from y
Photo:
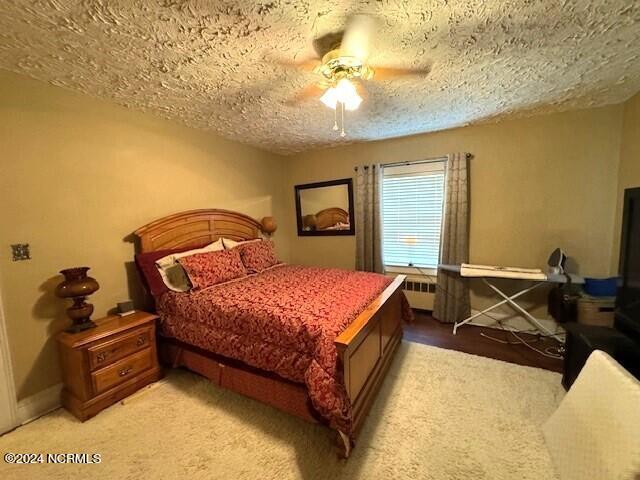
x=353 y=103
x=344 y=92
x=347 y=94
x=330 y=98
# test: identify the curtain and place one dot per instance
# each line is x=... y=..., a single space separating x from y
x=367 y=213
x=452 y=301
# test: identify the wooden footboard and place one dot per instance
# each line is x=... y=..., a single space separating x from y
x=366 y=347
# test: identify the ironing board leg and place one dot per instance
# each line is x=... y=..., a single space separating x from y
x=475 y=315
x=523 y=312
x=492 y=307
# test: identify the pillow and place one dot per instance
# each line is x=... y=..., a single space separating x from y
x=172 y=273
x=258 y=256
x=146 y=264
x=210 y=268
x=228 y=243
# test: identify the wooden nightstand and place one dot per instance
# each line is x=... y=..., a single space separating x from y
x=107 y=363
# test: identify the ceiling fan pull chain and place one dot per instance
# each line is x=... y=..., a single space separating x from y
x=342 y=134
x=335 y=119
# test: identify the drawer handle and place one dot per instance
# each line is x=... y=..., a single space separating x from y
x=140 y=340
x=125 y=371
x=101 y=357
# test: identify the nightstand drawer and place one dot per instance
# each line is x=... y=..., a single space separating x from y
x=118 y=347
x=124 y=369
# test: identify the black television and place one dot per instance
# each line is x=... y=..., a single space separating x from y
x=628 y=301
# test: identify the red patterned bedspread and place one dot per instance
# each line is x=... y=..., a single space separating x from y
x=283 y=320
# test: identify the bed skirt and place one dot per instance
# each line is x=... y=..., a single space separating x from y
x=265 y=387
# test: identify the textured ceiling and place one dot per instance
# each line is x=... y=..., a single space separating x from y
x=206 y=63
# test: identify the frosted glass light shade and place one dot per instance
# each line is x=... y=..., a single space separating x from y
x=344 y=92
x=330 y=98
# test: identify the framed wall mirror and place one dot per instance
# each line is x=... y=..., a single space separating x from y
x=325 y=208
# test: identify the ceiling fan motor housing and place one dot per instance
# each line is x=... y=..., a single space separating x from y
x=336 y=66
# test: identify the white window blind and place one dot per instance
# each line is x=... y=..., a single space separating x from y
x=412 y=199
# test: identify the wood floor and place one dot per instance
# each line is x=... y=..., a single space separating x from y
x=469 y=339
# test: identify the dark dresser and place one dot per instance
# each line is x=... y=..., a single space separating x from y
x=584 y=339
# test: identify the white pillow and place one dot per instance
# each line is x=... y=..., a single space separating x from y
x=229 y=244
x=172 y=273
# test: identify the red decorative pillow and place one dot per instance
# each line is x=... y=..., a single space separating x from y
x=210 y=268
x=257 y=256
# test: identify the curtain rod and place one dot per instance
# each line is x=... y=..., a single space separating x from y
x=413 y=162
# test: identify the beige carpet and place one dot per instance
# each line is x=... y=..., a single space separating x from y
x=440 y=415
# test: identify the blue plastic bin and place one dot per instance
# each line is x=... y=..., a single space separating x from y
x=601 y=287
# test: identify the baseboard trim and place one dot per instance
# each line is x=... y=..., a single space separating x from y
x=39 y=404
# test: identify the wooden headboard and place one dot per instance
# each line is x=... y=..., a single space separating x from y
x=197 y=227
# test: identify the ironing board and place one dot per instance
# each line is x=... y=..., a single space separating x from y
x=538 y=280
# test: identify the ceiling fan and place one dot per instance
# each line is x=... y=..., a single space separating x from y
x=342 y=64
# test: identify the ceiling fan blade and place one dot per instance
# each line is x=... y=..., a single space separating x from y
x=306 y=65
x=327 y=42
x=357 y=36
x=389 y=73
x=362 y=91
x=309 y=92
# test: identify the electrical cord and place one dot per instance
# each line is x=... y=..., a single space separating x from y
x=505 y=342
x=544 y=353
x=521 y=341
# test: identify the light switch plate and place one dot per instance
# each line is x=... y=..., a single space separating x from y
x=20 y=252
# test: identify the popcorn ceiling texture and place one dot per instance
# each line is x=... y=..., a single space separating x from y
x=207 y=63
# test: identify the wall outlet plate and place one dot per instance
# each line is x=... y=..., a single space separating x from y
x=20 y=252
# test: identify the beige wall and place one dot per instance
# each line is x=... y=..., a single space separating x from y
x=536 y=184
x=77 y=176
x=629 y=165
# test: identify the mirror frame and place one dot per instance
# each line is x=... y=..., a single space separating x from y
x=323 y=233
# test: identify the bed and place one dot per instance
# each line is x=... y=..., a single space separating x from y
x=313 y=342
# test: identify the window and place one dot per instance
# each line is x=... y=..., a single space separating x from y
x=412 y=199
